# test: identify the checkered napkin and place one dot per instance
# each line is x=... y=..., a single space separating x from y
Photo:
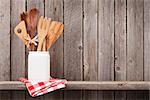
x=40 y=88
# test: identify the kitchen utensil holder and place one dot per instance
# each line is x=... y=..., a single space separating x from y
x=39 y=65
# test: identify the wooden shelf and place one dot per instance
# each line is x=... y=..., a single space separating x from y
x=86 y=85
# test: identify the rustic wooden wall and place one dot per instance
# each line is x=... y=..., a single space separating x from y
x=103 y=40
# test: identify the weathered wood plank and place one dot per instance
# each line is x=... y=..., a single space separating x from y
x=135 y=44
x=120 y=45
x=138 y=95
x=108 y=85
x=90 y=46
x=17 y=48
x=146 y=45
x=73 y=39
x=18 y=95
x=90 y=40
x=5 y=40
x=54 y=10
x=106 y=40
x=86 y=85
x=39 y=4
x=120 y=40
x=106 y=45
x=73 y=44
x=135 y=40
x=5 y=45
x=55 y=95
x=146 y=94
x=5 y=95
x=146 y=40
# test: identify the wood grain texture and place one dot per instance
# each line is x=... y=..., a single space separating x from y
x=146 y=45
x=54 y=10
x=55 y=95
x=146 y=40
x=106 y=40
x=17 y=48
x=39 y=4
x=108 y=85
x=18 y=95
x=135 y=40
x=135 y=21
x=73 y=45
x=86 y=85
x=137 y=95
x=73 y=39
x=120 y=45
x=106 y=45
x=94 y=47
x=5 y=95
x=5 y=40
x=120 y=40
x=5 y=45
x=90 y=40
x=90 y=46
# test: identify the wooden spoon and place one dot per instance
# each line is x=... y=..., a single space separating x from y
x=31 y=20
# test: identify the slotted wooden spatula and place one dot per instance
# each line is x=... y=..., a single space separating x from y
x=43 y=26
x=58 y=31
x=55 y=30
x=21 y=32
x=50 y=33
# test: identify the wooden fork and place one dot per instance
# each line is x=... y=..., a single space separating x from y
x=43 y=26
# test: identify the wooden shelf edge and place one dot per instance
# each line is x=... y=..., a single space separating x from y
x=86 y=85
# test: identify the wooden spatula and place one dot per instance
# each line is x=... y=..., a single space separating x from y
x=21 y=32
x=43 y=26
x=54 y=33
x=57 y=35
x=50 y=33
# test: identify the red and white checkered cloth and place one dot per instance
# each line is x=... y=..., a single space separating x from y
x=40 y=88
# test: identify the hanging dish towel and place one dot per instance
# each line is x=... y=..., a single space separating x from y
x=40 y=88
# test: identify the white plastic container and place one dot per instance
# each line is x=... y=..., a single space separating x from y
x=38 y=66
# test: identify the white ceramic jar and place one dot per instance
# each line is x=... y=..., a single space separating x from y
x=38 y=66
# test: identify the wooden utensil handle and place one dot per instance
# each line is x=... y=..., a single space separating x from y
x=39 y=46
x=44 y=45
